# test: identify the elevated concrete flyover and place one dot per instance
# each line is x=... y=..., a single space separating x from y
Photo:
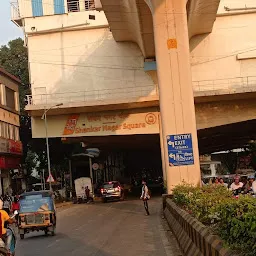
x=226 y=137
x=225 y=122
x=162 y=29
x=131 y=20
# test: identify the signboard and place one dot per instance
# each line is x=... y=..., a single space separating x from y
x=180 y=149
x=50 y=179
x=124 y=122
x=15 y=147
x=7 y=162
x=10 y=146
x=95 y=166
x=110 y=123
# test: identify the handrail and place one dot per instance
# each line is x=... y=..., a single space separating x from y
x=235 y=83
x=15 y=12
x=93 y=95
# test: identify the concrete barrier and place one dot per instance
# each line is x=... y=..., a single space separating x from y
x=194 y=238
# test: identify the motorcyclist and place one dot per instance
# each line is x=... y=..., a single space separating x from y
x=5 y=234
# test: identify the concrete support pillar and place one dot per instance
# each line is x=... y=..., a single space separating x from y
x=175 y=85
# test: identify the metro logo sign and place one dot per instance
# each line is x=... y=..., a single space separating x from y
x=71 y=125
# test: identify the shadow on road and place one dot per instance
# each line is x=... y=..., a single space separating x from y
x=61 y=244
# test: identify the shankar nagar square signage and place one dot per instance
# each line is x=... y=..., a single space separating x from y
x=112 y=123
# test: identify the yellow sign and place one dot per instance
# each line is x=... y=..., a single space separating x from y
x=110 y=123
x=126 y=122
x=172 y=43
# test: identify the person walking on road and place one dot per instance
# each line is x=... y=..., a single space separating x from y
x=145 y=196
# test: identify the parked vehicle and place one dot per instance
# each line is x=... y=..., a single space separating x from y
x=112 y=190
x=3 y=250
x=37 y=212
x=80 y=186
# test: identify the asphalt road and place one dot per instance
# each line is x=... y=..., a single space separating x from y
x=116 y=228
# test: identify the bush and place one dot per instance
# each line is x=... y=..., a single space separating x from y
x=233 y=219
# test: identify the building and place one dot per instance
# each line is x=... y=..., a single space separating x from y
x=98 y=59
x=10 y=144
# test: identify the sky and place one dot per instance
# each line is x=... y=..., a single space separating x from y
x=8 y=30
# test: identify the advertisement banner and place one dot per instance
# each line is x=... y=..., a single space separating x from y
x=15 y=147
x=7 y=162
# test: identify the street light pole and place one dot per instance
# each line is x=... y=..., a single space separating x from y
x=44 y=116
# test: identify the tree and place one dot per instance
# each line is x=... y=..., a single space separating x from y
x=14 y=59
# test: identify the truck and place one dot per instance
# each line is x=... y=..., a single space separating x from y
x=80 y=186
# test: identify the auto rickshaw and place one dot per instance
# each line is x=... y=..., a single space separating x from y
x=37 y=212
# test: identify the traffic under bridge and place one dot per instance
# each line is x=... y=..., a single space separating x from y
x=126 y=158
x=162 y=29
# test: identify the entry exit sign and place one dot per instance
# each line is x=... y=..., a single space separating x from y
x=180 y=149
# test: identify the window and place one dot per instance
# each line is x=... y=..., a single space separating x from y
x=59 y=7
x=12 y=132
x=9 y=131
x=77 y=6
x=73 y=6
x=10 y=98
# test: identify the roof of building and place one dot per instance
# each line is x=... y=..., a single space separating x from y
x=33 y=193
x=7 y=74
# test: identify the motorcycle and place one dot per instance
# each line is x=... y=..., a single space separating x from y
x=3 y=250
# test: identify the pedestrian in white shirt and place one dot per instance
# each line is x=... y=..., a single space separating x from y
x=145 y=196
x=236 y=184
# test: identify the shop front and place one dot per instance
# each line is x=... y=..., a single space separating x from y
x=10 y=159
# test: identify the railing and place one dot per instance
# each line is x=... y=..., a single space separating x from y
x=230 y=85
x=80 y=5
x=15 y=12
x=124 y=94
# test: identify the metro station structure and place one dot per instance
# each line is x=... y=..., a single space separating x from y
x=137 y=76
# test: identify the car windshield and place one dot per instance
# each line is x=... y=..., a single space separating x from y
x=36 y=203
x=108 y=185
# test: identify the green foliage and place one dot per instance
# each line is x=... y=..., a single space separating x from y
x=14 y=59
x=233 y=219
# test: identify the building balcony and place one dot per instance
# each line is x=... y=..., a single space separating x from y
x=93 y=101
x=15 y=13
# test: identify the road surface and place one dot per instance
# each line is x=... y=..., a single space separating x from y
x=115 y=228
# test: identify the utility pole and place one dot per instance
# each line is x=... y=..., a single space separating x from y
x=44 y=116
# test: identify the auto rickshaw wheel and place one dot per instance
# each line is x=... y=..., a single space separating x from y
x=46 y=232
x=22 y=236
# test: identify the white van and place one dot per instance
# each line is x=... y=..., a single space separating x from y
x=80 y=185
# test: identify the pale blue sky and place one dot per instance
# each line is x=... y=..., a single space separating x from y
x=8 y=30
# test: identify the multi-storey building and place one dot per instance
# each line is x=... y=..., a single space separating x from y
x=10 y=144
x=98 y=59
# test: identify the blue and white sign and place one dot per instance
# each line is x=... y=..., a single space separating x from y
x=180 y=149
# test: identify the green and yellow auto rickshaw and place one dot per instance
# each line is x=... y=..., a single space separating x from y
x=37 y=212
